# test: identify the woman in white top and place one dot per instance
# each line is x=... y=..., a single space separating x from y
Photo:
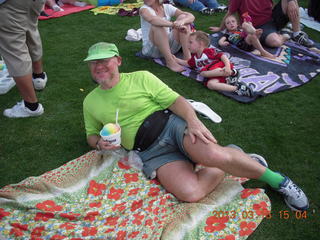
x=162 y=37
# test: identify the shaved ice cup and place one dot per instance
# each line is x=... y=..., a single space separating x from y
x=114 y=139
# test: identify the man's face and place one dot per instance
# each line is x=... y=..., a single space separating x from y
x=104 y=69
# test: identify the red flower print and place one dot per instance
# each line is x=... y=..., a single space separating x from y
x=111 y=221
x=247 y=192
x=68 y=226
x=109 y=230
x=131 y=177
x=153 y=192
x=148 y=222
x=96 y=188
x=76 y=239
x=246 y=228
x=124 y=223
x=115 y=193
x=229 y=237
x=95 y=204
x=216 y=224
x=16 y=232
x=23 y=227
x=89 y=231
x=136 y=205
x=49 y=206
x=57 y=237
x=261 y=209
x=43 y=216
x=91 y=216
x=156 y=211
x=133 y=234
x=155 y=181
x=133 y=191
x=121 y=235
x=71 y=216
x=163 y=201
x=123 y=166
x=137 y=219
x=119 y=207
x=145 y=236
x=3 y=213
x=37 y=232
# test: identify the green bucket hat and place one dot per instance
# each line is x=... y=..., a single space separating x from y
x=102 y=50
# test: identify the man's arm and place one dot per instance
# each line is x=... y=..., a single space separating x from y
x=196 y=129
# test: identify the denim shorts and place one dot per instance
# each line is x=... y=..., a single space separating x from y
x=168 y=147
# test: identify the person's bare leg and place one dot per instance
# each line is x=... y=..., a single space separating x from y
x=275 y=40
x=159 y=37
x=254 y=41
x=214 y=84
x=227 y=159
x=25 y=87
x=180 y=179
x=37 y=66
x=294 y=19
x=217 y=72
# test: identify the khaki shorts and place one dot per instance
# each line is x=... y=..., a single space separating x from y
x=151 y=50
x=20 y=42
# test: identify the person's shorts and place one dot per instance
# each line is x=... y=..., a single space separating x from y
x=20 y=42
x=167 y=148
x=279 y=21
x=150 y=50
x=212 y=67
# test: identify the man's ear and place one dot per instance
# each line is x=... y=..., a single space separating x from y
x=119 y=60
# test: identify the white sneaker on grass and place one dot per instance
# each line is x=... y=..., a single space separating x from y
x=21 y=111
x=40 y=83
x=294 y=197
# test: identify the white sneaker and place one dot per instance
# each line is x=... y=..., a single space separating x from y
x=6 y=82
x=40 y=83
x=21 y=111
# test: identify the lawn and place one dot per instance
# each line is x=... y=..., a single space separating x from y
x=283 y=127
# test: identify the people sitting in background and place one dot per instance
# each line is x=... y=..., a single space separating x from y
x=162 y=37
x=206 y=7
x=245 y=38
x=271 y=20
x=215 y=67
x=56 y=5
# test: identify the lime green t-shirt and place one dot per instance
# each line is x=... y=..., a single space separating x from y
x=137 y=95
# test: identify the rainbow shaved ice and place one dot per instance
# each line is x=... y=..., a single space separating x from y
x=109 y=129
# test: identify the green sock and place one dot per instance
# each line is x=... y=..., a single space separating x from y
x=272 y=178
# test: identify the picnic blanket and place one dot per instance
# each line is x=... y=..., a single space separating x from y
x=68 y=9
x=113 y=10
x=100 y=196
x=294 y=66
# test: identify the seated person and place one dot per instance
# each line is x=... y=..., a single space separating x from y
x=214 y=66
x=206 y=7
x=245 y=38
x=271 y=19
x=164 y=130
x=162 y=37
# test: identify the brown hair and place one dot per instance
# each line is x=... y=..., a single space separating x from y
x=201 y=36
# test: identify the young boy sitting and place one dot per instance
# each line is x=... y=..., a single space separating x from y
x=245 y=38
x=215 y=67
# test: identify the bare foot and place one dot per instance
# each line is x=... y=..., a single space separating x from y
x=268 y=55
x=175 y=67
x=259 y=32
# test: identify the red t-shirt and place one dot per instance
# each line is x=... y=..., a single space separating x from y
x=259 y=10
x=208 y=56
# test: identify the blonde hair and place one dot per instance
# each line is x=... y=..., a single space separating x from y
x=225 y=20
x=201 y=36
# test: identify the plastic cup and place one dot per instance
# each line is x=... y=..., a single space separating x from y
x=114 y=139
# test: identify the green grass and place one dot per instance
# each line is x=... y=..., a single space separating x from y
x=283 y=127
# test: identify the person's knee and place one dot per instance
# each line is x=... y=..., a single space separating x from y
x=191 y=192
x=274 y=41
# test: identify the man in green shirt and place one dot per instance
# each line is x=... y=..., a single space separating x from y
x=164 y=130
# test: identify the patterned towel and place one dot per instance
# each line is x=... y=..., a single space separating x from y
x=101 y=197
x=113 y=10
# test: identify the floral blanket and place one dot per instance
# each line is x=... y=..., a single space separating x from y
x=100 y=196
x=113 y=10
